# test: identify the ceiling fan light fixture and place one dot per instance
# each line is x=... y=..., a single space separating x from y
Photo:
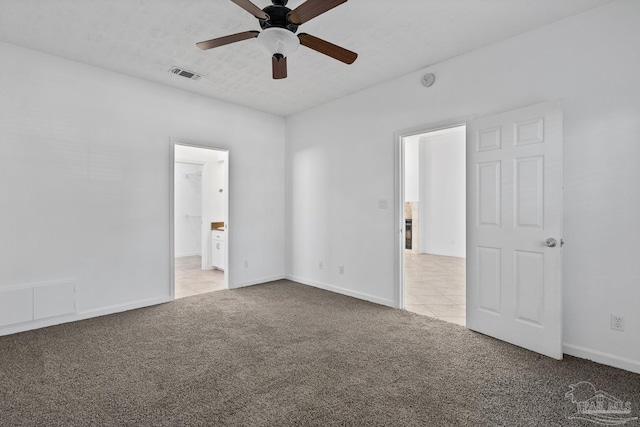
x=279 y=26
x=279 y=41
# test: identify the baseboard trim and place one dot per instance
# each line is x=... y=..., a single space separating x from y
x=442 y=254
x=82 y=315
x=187 y=254
x=601 y=357
x=343 y=291
x=255 y=282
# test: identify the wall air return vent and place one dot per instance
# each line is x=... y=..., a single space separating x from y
x=185 y=73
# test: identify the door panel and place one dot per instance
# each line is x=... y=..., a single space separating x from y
x=489 y=194
x=514 y=193
x=489 y=267
x=529 y=283
x=529 y=192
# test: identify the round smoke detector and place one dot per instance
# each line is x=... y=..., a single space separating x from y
x=428 y=79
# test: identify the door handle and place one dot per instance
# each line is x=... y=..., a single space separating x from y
x=551 y=242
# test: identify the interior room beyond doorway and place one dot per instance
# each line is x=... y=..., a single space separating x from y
x=200 y=218
x=435 y=224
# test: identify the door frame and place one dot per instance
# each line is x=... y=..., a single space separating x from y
x=398 y=141
x=172 y=162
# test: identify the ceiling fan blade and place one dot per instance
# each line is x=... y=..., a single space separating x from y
x=252 y=9
x=329 y=49
x=221 y=41
x=279 y=63
x=312 y=8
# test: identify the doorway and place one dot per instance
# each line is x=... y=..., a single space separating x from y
x=200 y=220
x=434 y=273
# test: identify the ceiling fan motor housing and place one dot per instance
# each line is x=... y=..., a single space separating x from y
x=278 y=13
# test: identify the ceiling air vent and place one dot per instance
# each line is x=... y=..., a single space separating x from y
x=185 y=73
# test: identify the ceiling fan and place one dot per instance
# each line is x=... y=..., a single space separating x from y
x=279 y=25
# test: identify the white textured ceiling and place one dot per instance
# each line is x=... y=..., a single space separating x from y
x=145 y=38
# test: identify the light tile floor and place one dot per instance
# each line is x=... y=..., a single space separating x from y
x=435 y=286
x=192 y=280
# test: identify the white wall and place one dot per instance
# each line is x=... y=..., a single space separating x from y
x=340 y=162
x=188 y=209
x=85 y=175
x=443 y=193
x=412 y=168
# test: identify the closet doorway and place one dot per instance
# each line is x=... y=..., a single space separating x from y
x=200 y=219
x=435 y=223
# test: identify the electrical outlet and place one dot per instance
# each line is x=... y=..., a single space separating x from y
x=341 y=269
x=320 y=265
x=617 y=322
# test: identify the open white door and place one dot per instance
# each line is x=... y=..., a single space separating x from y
x=514 y=227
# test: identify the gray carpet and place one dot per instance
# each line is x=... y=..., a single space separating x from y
x=283 y=354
